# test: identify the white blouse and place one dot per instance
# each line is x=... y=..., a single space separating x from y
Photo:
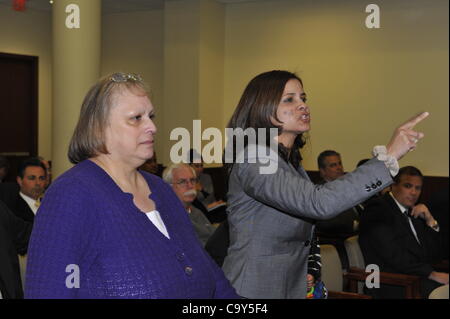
x=156 y=219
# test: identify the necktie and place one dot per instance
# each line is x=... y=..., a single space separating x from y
x=37 y=203
x=407 y=214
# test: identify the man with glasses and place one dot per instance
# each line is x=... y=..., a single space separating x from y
x=183 y=180
x=214 y=210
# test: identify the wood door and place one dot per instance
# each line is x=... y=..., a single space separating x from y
x=18 y=108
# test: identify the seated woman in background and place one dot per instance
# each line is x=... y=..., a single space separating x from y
x=107 y=230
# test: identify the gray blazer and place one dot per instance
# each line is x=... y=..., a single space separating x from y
x=272 y=216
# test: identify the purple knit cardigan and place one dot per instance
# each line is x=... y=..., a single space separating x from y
x=87 y=225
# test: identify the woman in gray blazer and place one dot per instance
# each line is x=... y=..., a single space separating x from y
x=272 y=204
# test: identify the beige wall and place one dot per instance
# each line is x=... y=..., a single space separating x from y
x=181 y=87
x=361 y=83
x=30 y=33
x=193 y=68
x=211 y=67
x=133 y=42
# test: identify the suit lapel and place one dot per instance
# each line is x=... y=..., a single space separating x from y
x=418 y=226
x=23 y=207
x=414 y=246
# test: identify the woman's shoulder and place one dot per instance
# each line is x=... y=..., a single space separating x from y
x=77 y=178
x=80 y=170
x=265 y=158
x=253 y=150
x=70 y=199
x=255 y=153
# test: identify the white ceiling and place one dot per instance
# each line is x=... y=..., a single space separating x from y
x=108 y=6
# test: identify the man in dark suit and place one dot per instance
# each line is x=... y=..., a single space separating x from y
x=346 y=223
x=334 y=231
x=14 y=236
x=438 y=204
x=401 y=237
x=23 y=198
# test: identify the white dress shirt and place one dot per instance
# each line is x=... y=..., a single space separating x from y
x=30 y=201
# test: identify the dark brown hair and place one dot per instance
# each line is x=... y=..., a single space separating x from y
x=259 y=104
x=408 y=171
x=322 y=156
x=32 y=161
x=88 y=138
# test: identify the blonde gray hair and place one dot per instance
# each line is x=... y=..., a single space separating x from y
x=168 y=171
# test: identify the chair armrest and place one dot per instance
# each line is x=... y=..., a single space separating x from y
x=346 y=295
x=385 y=277
x=410 y=282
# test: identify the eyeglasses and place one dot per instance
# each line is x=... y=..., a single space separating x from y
x=183 y=182
x=124 y=77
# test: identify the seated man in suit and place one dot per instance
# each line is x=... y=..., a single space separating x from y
x=14 y=236
x=346 y=223
x=182 y=178
x=334 y=231
x=23 y=198
x=438 y=204
x=400 y=237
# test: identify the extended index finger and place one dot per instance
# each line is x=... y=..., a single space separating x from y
x=413 y=121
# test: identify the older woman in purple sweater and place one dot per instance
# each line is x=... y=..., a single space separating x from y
x=107 y=230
